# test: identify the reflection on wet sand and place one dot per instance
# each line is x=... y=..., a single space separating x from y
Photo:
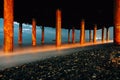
x=85 y=63
x=23 y=55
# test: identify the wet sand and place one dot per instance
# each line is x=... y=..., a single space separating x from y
x=22 y=55
x=89 y=63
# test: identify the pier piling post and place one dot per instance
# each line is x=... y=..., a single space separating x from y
x=95 y=33
x=8 y=25
x=90 y=35
x=73 y=35
x=68 y=35
x=82 y=32
x=58 y=27
x=103 y=29
x=42 y=40
x=33 y=32
x=20 y=34
x=117 y=22
x=107 y=34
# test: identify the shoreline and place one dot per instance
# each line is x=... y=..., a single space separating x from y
x=33 y=54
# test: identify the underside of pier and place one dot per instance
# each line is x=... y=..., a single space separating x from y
x=98 y=12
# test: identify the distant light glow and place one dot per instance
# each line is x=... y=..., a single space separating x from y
x=16 y=23
x=27 y=25
x=26 y=29
x=98 y=38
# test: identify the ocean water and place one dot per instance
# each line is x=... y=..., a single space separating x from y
x=49 y=34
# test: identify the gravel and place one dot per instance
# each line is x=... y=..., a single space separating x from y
x=93 y=64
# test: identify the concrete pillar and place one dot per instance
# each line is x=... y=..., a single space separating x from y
x=82 y=32
x=103 y=29
x=58 y=27
x=8 y=25
x=117 y=22
x=90 y=35
x=107 y=34
x=95 y=34
x=33 y=32
x=20 y=34
x=73 y=35
x=68 y=35
x=42 y=39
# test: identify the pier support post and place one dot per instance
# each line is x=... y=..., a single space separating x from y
x=117 y=22
x=90 y=35
x=103 y=29
x=58 y=27
x=33 y=32
x=94 y=34
x=107 y=34
x=73 y=35
x=68 y=35
x=42 y=39
x=20 y=34
x=82 y=32
x=8 y=25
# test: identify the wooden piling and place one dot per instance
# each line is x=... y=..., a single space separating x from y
x=73 y=35
x=107 y=34
x=95 y=33
x=58 y=28
x=20 y=34
x=8 y=25
x=68 y=35
x=117 y=22
x=33 y=32
x=90 y=35
x=103 y=29
x=82 y=32
x=42 y=39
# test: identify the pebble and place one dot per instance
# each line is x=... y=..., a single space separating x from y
x=94 y=76
x=1 y=76
x=93 y=64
